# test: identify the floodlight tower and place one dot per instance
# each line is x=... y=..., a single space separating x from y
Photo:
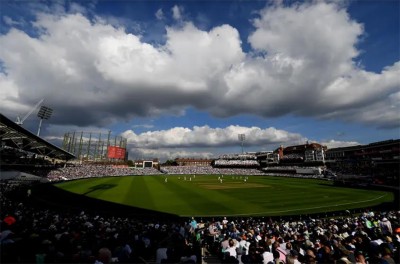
x=242 y=137
x=44 y=113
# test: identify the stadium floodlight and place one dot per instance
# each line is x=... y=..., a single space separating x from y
x=242 y=137
x=44 y=113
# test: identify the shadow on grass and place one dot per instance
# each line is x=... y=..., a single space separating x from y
x=49 y=196
x=100 y=187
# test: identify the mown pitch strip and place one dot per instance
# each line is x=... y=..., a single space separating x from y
x=225 y=195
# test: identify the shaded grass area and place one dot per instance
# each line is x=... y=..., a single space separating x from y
x=205 y=195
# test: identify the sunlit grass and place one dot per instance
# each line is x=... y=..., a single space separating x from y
x=206 y=195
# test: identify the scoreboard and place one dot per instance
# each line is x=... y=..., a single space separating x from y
x=115 y=152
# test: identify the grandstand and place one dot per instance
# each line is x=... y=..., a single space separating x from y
x=378 y=162
x=298 y=160
x=245 y=160
x=310 y=153
x=192 y=162
x=15 y=137
x=23 y=152
x=41 y=223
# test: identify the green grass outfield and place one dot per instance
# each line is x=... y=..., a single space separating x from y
x=205 y=195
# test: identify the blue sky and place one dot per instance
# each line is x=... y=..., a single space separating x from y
x=183 y=78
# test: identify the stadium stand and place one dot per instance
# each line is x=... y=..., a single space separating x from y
x=34 y=231
x=89 y=171
x=245 y=160
x=209 y=170
x=14 y=136
x=25 y=155
x=31 y=233
x=379 y=160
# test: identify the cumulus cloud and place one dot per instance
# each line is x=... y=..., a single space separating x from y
x=177 y=12
x=207 y=142
x=305 y=57
x=159 y=14
x=339 y=144
x=11 y=22
x=297 y=66
x=168 y=154
x=205 y=136
x=148 y=126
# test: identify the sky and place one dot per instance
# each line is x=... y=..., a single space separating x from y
x=185 y=78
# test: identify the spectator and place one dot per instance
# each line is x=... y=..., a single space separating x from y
x=386 y=227
x=282 y=254
x=104 y=256
x=231 y=250
x=67 y=236
x=360 y=258
x=267 y=256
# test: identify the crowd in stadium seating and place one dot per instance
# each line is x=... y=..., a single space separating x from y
x=88 y=171
x=236 y=163
x=292 y=175
x=234 y=171
x=72 y=172
x=209 y=170
x=245 y=156
x=30 y=234
x=281 y=168
x=291 y=171
x=293 y=156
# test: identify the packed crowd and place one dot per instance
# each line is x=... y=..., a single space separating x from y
x=293 y=156
x=79 y=171
x=32 y=234
x=295 y=172
x=236 y=163
x=289 y=168
x=300 y=176
x=88 y=171
x=209 y=170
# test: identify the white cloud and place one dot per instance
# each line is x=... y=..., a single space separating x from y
x=77 y=8
x=297 y=32
x=306 y=68
x=338 y=144
x=204 y=141
x=11 y=22
x=167 y=154
x=159 y=14
x=148 y=126
x=177 y=12
x=367 y=97
x=207 y=142
x=9 y=96
x=205 y=136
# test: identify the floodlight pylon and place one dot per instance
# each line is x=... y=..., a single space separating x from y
x=242 y=138
x=44 y=113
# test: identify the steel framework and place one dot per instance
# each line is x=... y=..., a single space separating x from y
x=92 y=146
x=242 y=138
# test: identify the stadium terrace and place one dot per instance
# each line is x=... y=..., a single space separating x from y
x=296 y=204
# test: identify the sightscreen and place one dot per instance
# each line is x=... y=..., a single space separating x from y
x=148 y=164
